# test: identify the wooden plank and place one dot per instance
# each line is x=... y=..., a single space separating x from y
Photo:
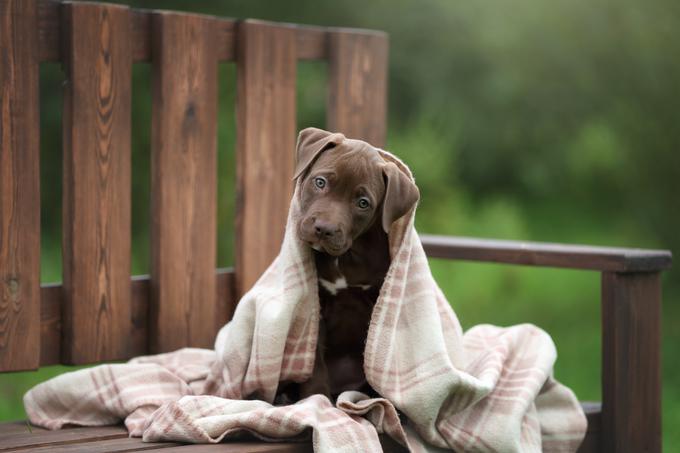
x=245 y=447
x=265 y=142
x=267 y=447
x=51 y=300
x=96 y=193
x=312 y=41
x=37 y=437
x=49 y=30
x=19 y=187
x=107 y=446
x=631 y=362
x=225 y=40
x=141 y=35
x=92 y=443
x=592 y=441
x=546 y=254
x=183 y=182
x=141 y=29
x=357 y=95
x=225 y=301
x=7 y=428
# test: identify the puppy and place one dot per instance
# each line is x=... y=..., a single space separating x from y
x=349 y=198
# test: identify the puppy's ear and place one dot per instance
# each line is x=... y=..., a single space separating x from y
x=311 y=142
x=400 y=195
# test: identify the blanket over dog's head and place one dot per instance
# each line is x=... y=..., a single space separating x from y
x=450 y=386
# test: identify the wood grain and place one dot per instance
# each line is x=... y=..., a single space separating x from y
x=23 y=426
x=592 y=442
x=265 y=142
x=357 y=94
x=16 y=436
x=183 y=182
x=546 y=254
x=96 y=193
x=245 y=447
x=51 y=302
x=40 y=437
x=19 y=187
x=631 y=362
x=312 y=41
x=49 y=29
x=126 y=444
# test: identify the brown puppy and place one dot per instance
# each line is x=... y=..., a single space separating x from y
x=349 y=198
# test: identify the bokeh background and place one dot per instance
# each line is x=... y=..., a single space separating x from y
x=550 y=121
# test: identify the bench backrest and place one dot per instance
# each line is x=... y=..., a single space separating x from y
x=100 y=313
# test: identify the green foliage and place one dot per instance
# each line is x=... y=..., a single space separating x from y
x=529 y=120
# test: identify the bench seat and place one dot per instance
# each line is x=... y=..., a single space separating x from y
x=17 y=436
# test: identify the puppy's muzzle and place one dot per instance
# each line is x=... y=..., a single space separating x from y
x=326 y=230
x=324 y=235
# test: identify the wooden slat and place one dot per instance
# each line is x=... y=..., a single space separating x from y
x=311 y=43
x=141 y=35
x=142 y=29
x=183 y=182
x=546 y=254
x=225 y=39
x=49 y=28
x=357 y=96
x=592 y=441
x=96 y=194
x=7 y=428
x=17 y=434
x=245 y=447
x=265 y=142
x=106 y=446
x=226 y=297
x=38 y=437
x=51 y=300
x=19 y=187
x=141 y=301
x=631 y=362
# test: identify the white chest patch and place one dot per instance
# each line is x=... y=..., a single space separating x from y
x=333 y=287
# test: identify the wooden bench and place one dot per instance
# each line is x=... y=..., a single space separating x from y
x=99 y=313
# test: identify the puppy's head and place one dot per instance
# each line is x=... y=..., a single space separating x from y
x=346 y=187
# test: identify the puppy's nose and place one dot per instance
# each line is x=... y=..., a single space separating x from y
x=325 y=229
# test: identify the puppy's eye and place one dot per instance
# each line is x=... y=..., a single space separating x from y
x=320 y=182
x=363 y=203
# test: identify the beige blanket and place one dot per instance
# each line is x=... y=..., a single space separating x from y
x=490 y=389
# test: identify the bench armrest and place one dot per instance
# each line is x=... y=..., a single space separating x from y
x=546 y=254
x=631 y=325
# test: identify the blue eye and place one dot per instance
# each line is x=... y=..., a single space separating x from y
x=363 y=203
x=320 y=182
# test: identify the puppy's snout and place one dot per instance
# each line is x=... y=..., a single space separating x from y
x=325 y=230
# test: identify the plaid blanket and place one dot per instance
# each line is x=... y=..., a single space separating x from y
x=490 y=389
